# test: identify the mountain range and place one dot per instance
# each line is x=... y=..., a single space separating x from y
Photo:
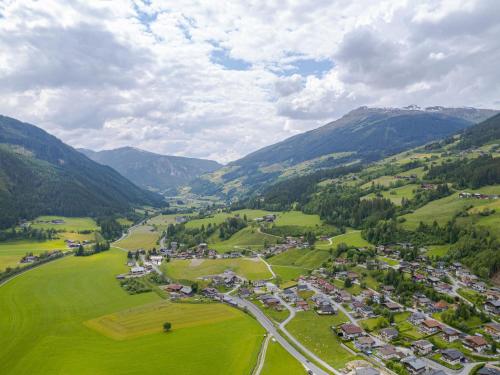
x=362 y=135
x=39 y=174
x=153 y=171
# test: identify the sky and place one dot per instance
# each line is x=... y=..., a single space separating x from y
x=218 y=80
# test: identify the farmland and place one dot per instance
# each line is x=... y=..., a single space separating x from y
x=303 y=258
x=140 y=237
x=248 y=238
x=396 y=195
x=252 y=269
x=67 y=224
x=11 y=252
x=351 y=238
x=45 y=326
x=297 y=218
x=279 y=362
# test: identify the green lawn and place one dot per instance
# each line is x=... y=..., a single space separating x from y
x=220 y=217
x=383 y=181
x=389 y=261
x=315 y=333
x=141 y=237
x=246 y=238
x=70 y=224
x=297 y=218
x=437 y=250
x=408 y=330
x=442 y=210
x=287 y=273
x=396 y=195
x=47 y=317
x=305 y=258
x=251 y=269
x=351 y=238
x=271 y=312
x=279 y=362
x=353 y=289
x=11 y=252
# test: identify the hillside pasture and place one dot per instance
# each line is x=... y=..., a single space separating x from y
x=140 y=237
x=247 y=238
x=351 y=238
x=304 y=258
x=279 y=362
x=45 y=316
x=297 y=218
x=11 y=252
x=192 y=269
x=68 y=224
x=396 y=195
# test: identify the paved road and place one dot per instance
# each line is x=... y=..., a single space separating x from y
x=334 y=303
x=269 y=327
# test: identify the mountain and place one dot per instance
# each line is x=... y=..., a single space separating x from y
x=39 y=174
x=363 y=135
x=150 y=170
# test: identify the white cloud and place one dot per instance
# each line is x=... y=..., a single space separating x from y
x=109 y=74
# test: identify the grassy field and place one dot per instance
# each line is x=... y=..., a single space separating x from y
x=45 y=313
x=70 y=224
x=437 y=250
x=315 y=333
x=304 y=258
x=246 y=238
x=162 y=221
x=397 y=194
x=389 y=261
x=220 y=217
x=11 y=252
x=442 y=210
x=251 y=269
x=297 y=218
x=287 y=273
x=383 y=181
x=279 y=362
x=141 y=237
x=351 y=238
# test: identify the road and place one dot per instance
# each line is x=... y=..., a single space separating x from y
x=334 y=303
x=262 y=356
x=268 y=267
x=272 y=330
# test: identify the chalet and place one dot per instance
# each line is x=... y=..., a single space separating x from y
x=326 y=309
x=387 y=289
x=388 y=352
x=392 y=306
x=492 y=294
x=452 y=356
x=430 y=326
x=244 y=292
x=493 y=329
x=479 y=287
x=364 y=310
x=433 y=280
x=302 y=288
x=419 y=278
x=156 y=259
x=364 y=343
x=173 y=288
x=344 y=296
x=137 y=271
x=389 y=334
x=450 y=335
x=210 y=292
x=352 y=275
x=414 y=365
x=422 y=347
x=416 y=318
x=186 y=290
x=269 y=300
x=492 y=307
x=350 y=331
x=302 y=305
x=476 y=343
x=439 y=306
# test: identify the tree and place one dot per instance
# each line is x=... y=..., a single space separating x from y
x=80 y=252
x=167 y=326
x=347 y=283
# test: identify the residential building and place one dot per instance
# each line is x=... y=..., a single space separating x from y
x=388 y=352
x=493 y=329
x=476 y=343
x=364 y=343
x=422 y=347
x=414 y=365
x=452 y=356
x=450 y=335
x=389 y=334
x=350 y=331
x=430 y=326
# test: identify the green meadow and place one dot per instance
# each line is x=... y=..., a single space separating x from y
x=288 y=273
x=71 y=317
x=247 y=238
x=69 y=224
x=192 y=269
x=279 y=362
x=315 y=333
x=11 y=252
x=140 y=237
x=396 y=195
x=220 y=217
x=351 y=238
x=303 y=258
x=297 y=218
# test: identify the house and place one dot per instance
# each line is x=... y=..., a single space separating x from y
x=452 y=356
x=326 y=309
x=493 y=306
x=186 y=290
x=422 y=347
x=392 y=306
x=387 y=289
x=476 y=343
x=173 y=288
x=364 y=343
x=137 y=270
x=479 y=287
x=493 y=329
x=350 y=331
x=450 y=335
x=302 y=305
x=414 y=365
x=344 y=296
x=440 y=306
x=389 y=334
x=366 y=371
x=388 y=352
x=156 y=259
x=417 y=318
x=430 y=326
x=435 y=372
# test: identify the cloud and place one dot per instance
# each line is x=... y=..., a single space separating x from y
x=219 y=80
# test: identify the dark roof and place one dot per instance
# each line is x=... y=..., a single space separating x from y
x=452 y=354
x=488 y=371
x=351 y=328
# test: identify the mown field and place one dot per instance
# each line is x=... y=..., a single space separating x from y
x=11 y=252
x=191 y=269
x=141 y=237
x=280 y=362
x=304 y=258
x=46 y=317
x=351 y=238
x=396 y=195
x=220 y=217
x=247 y=238
x=297 y=218
x=70 y=224
x=287 y=273
x=443 y=210
x=315 y=333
